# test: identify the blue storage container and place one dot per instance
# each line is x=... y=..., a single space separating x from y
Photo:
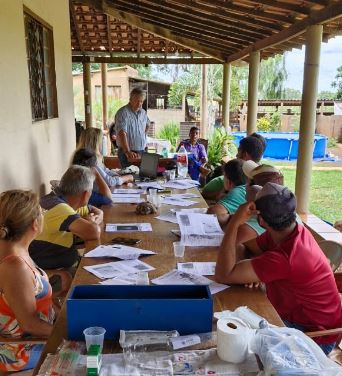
x=188 y=309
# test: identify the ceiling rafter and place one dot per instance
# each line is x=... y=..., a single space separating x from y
x=74 y=21
x=253 y=11
x=328 y=13
x=170 y=20
x=301 y=9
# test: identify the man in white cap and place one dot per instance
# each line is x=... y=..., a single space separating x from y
x=299 y=281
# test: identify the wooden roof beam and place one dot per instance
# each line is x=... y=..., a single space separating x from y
x=109 y=34
x=300 y=9
x=73 y=17
x=241 y=10
x=154 y=13
x=224 y=15
x=142 y=60
x=329 y=13
x=107 y=7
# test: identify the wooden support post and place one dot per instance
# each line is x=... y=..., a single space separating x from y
x=253 y=83
x=204 y=102
x=226 y=96
x=308 y=116
x=87 y=95
x=104 y=94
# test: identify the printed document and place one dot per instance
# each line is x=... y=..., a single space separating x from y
x=170 y=200
x=130 y=195
x=128 y=227
x=122 y=252
x=118 y=268
x=177 y=277
x=201 y=268
x=168 y=217
x=128 y=191
x=181 y=184
x=151 y=184
x=200 y=229
x=127 y=200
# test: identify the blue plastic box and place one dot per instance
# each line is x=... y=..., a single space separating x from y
x=188 y=309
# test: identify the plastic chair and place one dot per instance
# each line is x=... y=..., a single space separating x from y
x=333 y=252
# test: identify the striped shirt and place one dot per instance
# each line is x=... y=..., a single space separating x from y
x=134 y=125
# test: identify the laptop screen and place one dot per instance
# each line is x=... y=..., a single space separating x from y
x=149 y=165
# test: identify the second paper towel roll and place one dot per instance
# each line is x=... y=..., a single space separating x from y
x=233 y=338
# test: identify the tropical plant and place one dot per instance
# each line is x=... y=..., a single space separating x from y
x=220 y=145
x=170 y=131
x=113 y=106
x=275 y=121
x=264 y=124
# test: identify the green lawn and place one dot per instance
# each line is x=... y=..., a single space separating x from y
x=325 y=192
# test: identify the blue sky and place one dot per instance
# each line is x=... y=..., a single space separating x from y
x=331 y=59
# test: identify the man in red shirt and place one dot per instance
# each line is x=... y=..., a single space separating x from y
x=299 y=281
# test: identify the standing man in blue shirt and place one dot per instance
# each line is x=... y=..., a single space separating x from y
x=131 y=125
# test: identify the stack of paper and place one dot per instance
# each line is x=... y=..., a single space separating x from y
x=125 y=199
x=119 y=268
x=199 y=229
x=122 y=252
x=150 y=184
x=128 y=227
x=168 y=217
x=176 y=277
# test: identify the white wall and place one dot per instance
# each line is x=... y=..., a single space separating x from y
x=33 y=153
x=161 y=117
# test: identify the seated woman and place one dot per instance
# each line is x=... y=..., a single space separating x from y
x=198 y=157
x=101 y=194
x=91 y=139
x=25 y=293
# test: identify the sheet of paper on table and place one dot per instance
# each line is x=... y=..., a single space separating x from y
x=127 y=200
x=151 y=184
x=200 y=229
x=181 y=184
x=122 y=252
x=201 y=268
x=124 y=196
x=128 y=227
x=183 y=195
x=123 y=279
x=128 y=191
x=177 y=277
x=168 y=217
x=169 y=200
x=115 y=269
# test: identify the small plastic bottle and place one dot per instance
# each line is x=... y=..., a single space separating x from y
x=165 y=152
x=182 y=162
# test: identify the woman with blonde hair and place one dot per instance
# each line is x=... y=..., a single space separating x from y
x=91 y=139
x=26 y=307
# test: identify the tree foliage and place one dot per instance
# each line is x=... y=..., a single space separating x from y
x=272 y=77
x=338 y=83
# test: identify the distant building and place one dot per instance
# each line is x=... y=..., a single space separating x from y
x=120 y=82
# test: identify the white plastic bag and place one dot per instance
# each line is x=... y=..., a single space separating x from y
x=287 y=351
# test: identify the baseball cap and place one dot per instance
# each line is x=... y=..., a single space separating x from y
x=248 y=167
x=275 y=203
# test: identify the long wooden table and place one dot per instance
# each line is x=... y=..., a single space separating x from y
x=160 y=240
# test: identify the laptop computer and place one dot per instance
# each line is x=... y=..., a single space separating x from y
x=148 y=167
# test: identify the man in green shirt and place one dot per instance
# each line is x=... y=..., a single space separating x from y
x=250 y=148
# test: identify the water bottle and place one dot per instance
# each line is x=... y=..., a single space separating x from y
x=182 y=162
x=165 y=152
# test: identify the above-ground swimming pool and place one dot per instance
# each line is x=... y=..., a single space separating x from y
x=284 y=145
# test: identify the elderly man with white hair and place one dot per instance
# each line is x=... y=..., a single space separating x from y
x=131 y=125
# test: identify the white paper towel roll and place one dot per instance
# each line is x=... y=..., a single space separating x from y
x=233 y=338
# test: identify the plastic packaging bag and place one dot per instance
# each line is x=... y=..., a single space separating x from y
x=287 y=351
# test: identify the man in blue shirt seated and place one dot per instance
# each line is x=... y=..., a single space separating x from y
x=131 y=125
x=198 y=155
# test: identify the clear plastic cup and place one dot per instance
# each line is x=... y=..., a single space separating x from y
x=172 y=174
x=155 y=201
x=142 y=278
x=178 y=249
x=94 y=336
x=153 y=191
